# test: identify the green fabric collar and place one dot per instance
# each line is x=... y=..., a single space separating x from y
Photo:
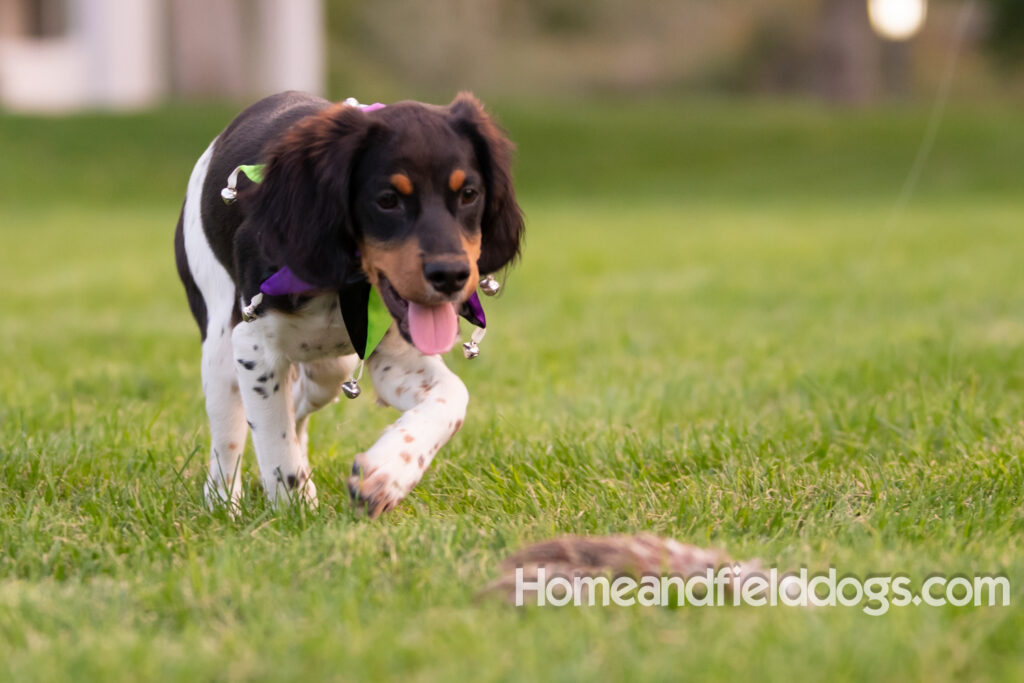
x=253 y=172
x=378 y=320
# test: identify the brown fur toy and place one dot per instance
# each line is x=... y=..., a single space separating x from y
x=636 y=556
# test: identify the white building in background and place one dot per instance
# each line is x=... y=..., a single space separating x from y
x=66 y=55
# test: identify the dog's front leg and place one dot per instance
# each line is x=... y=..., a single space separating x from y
x=433 y=404
x=263 y=380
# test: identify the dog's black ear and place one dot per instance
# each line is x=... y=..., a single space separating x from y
x=300 y=212
x=502 y=225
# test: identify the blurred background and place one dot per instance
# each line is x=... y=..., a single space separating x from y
x=730 y=180
x=66 y=55
x=770 y=299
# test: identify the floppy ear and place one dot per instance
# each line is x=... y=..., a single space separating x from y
x=300 y=212
x=502 y=225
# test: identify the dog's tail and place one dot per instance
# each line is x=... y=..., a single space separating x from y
x=636 y=556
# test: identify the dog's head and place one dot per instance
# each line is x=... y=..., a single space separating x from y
x=419 y=198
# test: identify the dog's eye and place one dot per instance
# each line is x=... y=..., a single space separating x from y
x=388 y=201
x=468 y=196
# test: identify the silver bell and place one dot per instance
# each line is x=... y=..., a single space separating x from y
x=252 y=311
x=351 y=389
x=489 y=286
x=229 y=195
x=470 y=350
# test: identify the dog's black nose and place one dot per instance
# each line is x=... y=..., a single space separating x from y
x=446 y=277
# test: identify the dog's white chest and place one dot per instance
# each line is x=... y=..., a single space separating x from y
x=315 y=331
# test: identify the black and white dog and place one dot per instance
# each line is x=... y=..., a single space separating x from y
x=408 y=204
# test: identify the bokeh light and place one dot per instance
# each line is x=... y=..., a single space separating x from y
x=897 y=19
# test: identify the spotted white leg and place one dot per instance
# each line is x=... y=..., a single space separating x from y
x=433 y=403
x=263 y=376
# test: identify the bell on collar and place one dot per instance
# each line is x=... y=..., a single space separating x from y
x=489 y=286
x=252 y=311
x=351 y=389
x=471 y=349
x=253 y=172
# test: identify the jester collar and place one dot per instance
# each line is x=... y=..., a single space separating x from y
x=366 y=317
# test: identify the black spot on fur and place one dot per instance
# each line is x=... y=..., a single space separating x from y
x=284 y=435
x=251 y=425
x=291 y=480
x=255 y=347
x=276 y=387
x=385 y=368
x=247 y=364
x=263 y=378
x=261 y=391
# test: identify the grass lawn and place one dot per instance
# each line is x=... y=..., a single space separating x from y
x=721 y=331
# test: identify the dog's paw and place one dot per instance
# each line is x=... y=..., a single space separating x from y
x=217 y=496
x=294 y=489
x=306 y=495
x=376 y=490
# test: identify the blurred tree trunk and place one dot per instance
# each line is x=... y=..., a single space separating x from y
x=847 y=62
x=292 y=51
x=208 y=54
x=12 y=19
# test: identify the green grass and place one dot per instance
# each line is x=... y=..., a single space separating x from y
x=719 y=332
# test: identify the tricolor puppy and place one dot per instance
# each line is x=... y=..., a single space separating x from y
x=354 y=231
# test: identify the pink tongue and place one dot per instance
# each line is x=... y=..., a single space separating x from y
x=433 y=328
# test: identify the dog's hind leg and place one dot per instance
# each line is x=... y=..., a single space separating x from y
x=318 y=383
x=433 y=403
x=315 y=384
x=211 y=295
x=227 y=417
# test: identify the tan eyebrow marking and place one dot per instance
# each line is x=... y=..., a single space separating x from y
x=401 y=182
x=456 y=179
